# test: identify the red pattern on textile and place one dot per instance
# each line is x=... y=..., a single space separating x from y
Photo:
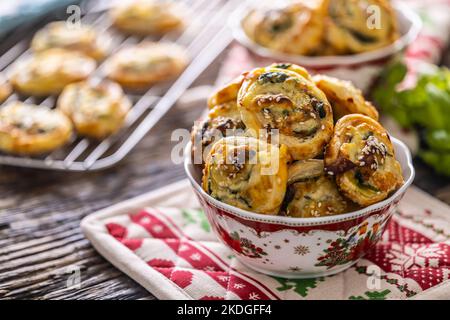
x=411 y=255
x=403 y=251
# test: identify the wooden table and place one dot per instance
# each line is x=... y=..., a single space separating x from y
x=40 y=213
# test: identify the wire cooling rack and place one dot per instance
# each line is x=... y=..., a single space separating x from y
x=205 y=37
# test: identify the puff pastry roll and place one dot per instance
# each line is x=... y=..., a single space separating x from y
x=247 y=173
x=29 y=129
x=146 y=17
x=223 y=120
x=296 y=28
x=97 y=110
x=81 y=38
x=274 y=98
x=344 y=97
x=49 y=71
x=142 y=65
x=311 y=193
x=355 y=26
x=5 y=88
x=361 y=157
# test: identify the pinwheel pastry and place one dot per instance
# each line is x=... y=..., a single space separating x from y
x=247 y=173
x=97 y=110
x=311 y=193
x=355 y=26
x=223 y=120
x=281 y=99
x=5 y=88
x=29 y=129
x=49 y=71
x=361 y=157
x=296 y=28
x=146 y=17
x=82 y=38
x=344 y=97
x=140 y=66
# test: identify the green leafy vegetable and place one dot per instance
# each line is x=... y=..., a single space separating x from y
x=426 y=106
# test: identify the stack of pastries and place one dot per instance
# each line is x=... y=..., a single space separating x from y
x=279 y=141
x=64 y=59
x=323 y=27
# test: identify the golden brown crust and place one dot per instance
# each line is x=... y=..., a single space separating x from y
x=351 y=25
x=323 y=27
x=223 y=120
x=296 y=28
x=146 y=17
x=96 y=110
x=226 y=93
x=344 y=97
x=83 y=39
x=281 y=99
x=29 y=129
x=140 y=66
x=310 y=193
x=5 y=89
x=49 y=71
x=247 y=173
x=361 y=157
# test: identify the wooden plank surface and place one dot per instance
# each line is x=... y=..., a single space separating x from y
x=40 y=212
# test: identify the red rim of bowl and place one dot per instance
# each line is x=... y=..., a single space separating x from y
x=291 y=221
x=407 y=37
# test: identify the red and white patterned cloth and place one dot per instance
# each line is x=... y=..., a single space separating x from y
x=171 y=250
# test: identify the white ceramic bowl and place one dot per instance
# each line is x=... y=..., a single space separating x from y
x=361 y=68
x=300 y=247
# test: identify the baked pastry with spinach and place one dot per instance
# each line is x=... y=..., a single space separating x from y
x=247 y=173
x=146 y=17
x=48 y=72
x=223 y=119
x=311 y=193
x=142 y=65
x=355 y=26
x=96 y=110
x=28 y=129
x=361 y=157
x=344 y=97
x=284 y=100
x=81 y=38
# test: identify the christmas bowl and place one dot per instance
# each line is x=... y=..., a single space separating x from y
x=299 y=247
x=362 y=68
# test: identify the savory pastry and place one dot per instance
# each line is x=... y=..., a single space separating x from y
x=323 y=27
x=226 y=94
x=296 y=28
x=293 y=67
x=146 y=17
x=223 y=120
x=311 y=193
x=97 y=110
x=5 y=88
x=355 y=26
x=361 y=157
x=140 y=66
x=344 y=97
x=49 y=71
x=29 y=129
x=281 y=99
x=83 y=39
x=247 y=173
